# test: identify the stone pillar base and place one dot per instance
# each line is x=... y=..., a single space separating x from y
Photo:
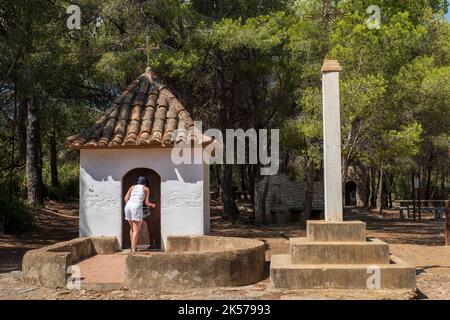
x=337 y=255
x=320 y=230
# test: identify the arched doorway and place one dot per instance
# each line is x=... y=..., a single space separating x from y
x=152 y=225
x=350 y=194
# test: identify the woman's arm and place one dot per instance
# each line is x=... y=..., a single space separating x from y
x=127 y=196
x=147 y=194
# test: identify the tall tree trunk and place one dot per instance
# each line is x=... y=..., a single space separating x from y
x=229 y=205
x=13 y=145
x=309 y=192
x=390 y=198
x=372 y=197
x=390 y=189
x=217 y=172
x=41 y=160
x=53 y=159
x=434 y=190
x=369 y=195
x=428 y=185
x=21 y=128
x=380 y=195
x=286 y=159
x=442 y=193
x=33 y=168
x=251 y=183
x=413 y=194
x=242 y=177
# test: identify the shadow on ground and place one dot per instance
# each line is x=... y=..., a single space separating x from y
x=388 y=227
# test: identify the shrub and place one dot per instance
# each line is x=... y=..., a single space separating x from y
x=15 y=216
x=68 y=187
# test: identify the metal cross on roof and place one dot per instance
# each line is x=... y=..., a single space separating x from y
x=148 y=50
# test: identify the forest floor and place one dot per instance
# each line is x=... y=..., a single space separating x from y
x=419 y=243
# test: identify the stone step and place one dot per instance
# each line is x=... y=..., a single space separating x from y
x=101 y=286
x=103 y=272
x=373 y=251
x=285 y=275
x=319 y=230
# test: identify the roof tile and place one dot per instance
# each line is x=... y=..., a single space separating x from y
x=146 y=113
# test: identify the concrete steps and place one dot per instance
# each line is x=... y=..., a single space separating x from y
x=303 y=251
x=348 y=231
x=285 y=275
x=337 y=255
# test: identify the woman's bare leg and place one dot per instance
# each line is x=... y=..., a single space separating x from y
x=135 y=239
x=131 y=233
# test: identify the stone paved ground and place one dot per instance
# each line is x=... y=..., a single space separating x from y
x=104 y=270
x=11 y=287
x=420 y=243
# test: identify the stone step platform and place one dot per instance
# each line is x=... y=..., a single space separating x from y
x=348 y=231
x=103 y=272
x=395 y=275
x=304 y=251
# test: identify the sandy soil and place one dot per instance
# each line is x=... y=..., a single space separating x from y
x=419 y=243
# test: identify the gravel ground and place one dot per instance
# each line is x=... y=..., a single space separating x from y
x=419 y=243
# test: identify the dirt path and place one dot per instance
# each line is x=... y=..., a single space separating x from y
x=56 y=222
x=419 y=243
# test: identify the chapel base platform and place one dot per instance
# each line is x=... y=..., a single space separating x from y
x=94 y=263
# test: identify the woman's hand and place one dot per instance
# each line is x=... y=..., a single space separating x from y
x=150 y=205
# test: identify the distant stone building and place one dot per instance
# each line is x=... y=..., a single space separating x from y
x=285 y=199
x=356 y=187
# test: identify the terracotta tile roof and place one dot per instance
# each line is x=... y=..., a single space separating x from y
x=147 y=113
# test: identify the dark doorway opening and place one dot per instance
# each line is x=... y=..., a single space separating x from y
x=150 y=233
x=350 y=194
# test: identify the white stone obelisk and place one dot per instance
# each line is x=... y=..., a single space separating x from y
x=332 y=141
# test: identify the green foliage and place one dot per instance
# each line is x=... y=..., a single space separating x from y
x=178 y=64
x=15 y=215
x=394 y=84
x=398 y=146
x=260 y=33
x=68 y=187
x=361 y=99
x=362 y=50
x=422 y=95
x=245 y=63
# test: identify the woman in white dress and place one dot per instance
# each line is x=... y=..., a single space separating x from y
x=136 y=196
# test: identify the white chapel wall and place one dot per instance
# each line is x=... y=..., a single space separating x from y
x=184 y=191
